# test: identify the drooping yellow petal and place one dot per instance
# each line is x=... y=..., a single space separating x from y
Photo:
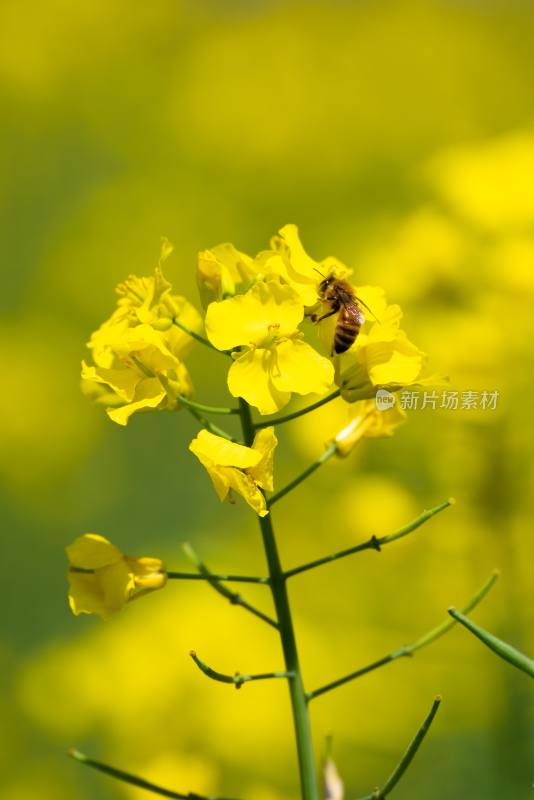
x=249 y=377
x=223 y=452
x=299 y=368
x=244 y=485
x=265 y=443
x=255 y=318
x=122 y=381
x=103 y=592
x=149 y=394
x=92 y=551
x=219 y=475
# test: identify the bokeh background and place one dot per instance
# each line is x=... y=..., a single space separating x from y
x=399 y=136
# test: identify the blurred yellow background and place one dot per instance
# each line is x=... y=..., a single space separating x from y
x=399 y=136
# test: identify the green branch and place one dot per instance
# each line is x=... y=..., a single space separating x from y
x=126 y=777
x=373 y=543
x=204 y=408
x=408 y=650
x=237 y=679
x=194 y=576
x=295 y=414
x=234 y=598
x=407 y=758
x=328 y=453
x=198 y=337
x=209 y=425
x=504 y=650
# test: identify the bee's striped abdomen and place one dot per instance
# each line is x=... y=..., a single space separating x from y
x=348 y=326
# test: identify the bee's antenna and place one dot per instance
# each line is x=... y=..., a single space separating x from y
x=320 y=273
x=368 y=309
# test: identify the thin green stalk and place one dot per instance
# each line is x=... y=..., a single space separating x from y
x=194 y=576
x=198 y=337
x=134 y=780
x=410 y=649
x=503 y=649
x=308 y=778
x=237 y=679
x=204 y=408
x=295 y=414
x=210 y=425
x=234 y=598
x=328 y=453
x=374 y=543
x=407 y=758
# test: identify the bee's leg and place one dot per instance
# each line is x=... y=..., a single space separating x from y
x=315 y=318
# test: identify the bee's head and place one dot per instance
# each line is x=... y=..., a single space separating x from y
x=326 y=284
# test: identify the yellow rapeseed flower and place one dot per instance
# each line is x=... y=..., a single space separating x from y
x=273 y=360
x=235 y=468
x=384 y=357
x=137 y=353
x=368 y=421
x=102 y=579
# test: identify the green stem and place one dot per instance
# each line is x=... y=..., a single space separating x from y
x=308 y=779
x=330 y=451
x=134 y=780
x=198 y=337
x=209 y=425
x=194 y=576
x=503 y=649
x=295 y=414
x=407 y=758
x=214 y=581
x=410 y=649
x=237 y=679
x=374 y=543
x=204 y=408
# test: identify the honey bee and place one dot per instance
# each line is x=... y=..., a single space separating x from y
x=343 y=301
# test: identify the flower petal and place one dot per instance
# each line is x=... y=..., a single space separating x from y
x=122 y=381
x=244 y=485
x=265 y=442
x=149 y=394
x=219 y=475
x=393 y=362
x=249 y=377
x=103 y=592
x=92 y=551
x=299 y=368
x=222 y=452
x=267 y=309
x=289 y=260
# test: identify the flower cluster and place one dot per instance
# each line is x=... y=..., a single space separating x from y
x=270 y=315
x=257 y=310
x=138 y=352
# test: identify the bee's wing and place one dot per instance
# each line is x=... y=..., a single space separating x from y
x=351 y=311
